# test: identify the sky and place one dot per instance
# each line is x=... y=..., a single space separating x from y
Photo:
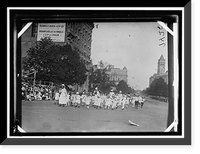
x=136 y=45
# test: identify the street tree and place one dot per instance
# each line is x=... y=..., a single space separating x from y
x=158 y=88
x=123 y=86
x=55 y=63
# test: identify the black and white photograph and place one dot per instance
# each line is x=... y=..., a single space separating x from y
x=95 y=73
x=94 y=77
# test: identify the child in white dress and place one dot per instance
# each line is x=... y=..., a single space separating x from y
x=83 y=99
x=123 y=102
x=56 y=97
x=78 y=99
x=108 y=103
x=88 y=100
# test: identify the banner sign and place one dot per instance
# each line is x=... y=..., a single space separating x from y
x=56 y=31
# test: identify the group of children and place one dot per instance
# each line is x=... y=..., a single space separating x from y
x=98 y=100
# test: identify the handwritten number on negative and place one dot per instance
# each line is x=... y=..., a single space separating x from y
x=162 y=34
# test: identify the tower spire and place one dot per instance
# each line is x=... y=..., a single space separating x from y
x=161 y=65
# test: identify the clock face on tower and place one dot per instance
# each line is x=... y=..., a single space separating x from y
x=162 y=67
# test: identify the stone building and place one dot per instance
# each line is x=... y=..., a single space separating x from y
x=116 y=74
x=160 y=71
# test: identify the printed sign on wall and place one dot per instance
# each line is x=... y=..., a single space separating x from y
x=54 y=30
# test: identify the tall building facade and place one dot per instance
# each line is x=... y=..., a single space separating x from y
x=116 y=74
x=76 y=34
x=160 y=71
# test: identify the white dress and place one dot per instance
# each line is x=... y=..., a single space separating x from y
x=83 y=98
x=108 y=102
x=78 y=99
x=57 y=96
x=63 y=98
x=120 y=99
x=88 y=100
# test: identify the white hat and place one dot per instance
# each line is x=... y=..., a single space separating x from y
x=96 y=88
x=120 y=91
x=77 y=92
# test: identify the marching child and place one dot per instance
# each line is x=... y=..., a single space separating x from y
x=119 y=98
x=67 y=99
x=99 y=101
x=103 y=97
x=123 y=101
x=56 y=96
x=78 y=99
x=73 y=99
x=136 y=102
x=127 y=101
x=107 y=103
x=114 y=103
x=83 y=99
x=133 y=101
x=88 y=100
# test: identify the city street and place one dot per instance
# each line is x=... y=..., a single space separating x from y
x=44 y=116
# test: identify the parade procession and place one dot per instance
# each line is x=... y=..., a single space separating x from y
x=98 y=100
x=95 y=99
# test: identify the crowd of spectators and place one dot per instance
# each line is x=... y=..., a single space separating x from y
x=37 y=92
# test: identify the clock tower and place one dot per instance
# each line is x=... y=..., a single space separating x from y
x=161 y=65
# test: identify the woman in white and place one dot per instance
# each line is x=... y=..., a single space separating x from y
x=62 y=98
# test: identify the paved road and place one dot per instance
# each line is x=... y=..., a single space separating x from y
x=44 y=116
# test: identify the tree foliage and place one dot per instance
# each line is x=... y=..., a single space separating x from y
x=122 y=86
x=158 y=88
x=55 y=63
